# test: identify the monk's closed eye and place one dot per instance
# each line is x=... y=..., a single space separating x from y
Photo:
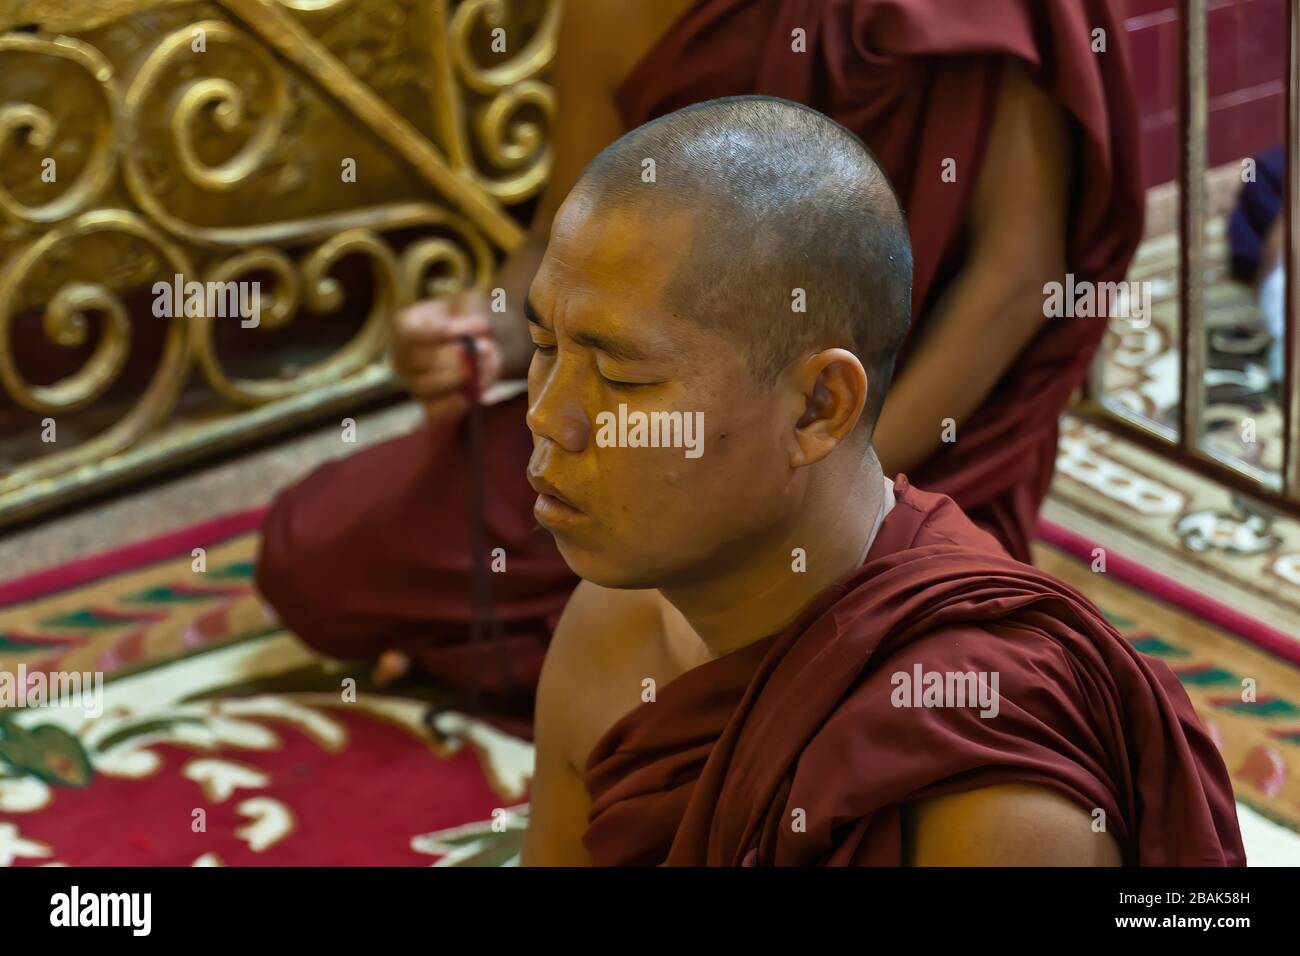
x=627 y=386
x=622 y=385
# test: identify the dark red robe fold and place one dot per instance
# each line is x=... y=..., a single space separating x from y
x=714 y=771
x=918 y=81
x=372 y=552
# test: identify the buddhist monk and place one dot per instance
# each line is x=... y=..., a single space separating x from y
x=775 y=655
x=1008 y=128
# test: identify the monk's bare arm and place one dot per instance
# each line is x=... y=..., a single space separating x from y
x=605 y=644
x=557 y=816
x=1016 y=232
x=559 y=805
x=1005 y=825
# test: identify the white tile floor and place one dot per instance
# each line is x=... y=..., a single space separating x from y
x=1267 y=843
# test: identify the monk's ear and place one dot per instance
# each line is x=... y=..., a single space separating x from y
x=833 y=387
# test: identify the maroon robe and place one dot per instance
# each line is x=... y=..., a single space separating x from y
x=713 y=771
x=372 y=552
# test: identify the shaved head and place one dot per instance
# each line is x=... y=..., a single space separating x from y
x=799 y=243
x=744 y=265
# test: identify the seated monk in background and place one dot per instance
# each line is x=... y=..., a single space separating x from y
x=1009 y=138
x=777 y=656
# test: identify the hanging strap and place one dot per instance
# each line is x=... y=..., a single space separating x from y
x=484 y=624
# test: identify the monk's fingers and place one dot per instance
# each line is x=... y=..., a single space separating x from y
x=442 y=411
x=442 y=379
x=489 y=363
x=435 y=321
x=417 y=352
x=467 y=302
x=392 y=665
x=442 y=408
x=429 y=373
x=420 y=356
x=416 y=360
x=447 y=358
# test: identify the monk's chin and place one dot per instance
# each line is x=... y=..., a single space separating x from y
x=599 y=570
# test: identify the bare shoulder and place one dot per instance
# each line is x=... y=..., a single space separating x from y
x=1005 y=825
x=586 y=677
x=605 y=644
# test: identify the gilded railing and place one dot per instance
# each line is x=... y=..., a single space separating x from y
x=342 y=157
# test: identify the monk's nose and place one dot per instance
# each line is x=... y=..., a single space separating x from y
x=559 y=417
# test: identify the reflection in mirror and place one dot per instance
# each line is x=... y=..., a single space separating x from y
x=1138 y=373
x=1246 y=74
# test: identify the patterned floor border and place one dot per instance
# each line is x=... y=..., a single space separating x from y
x=1204 y=537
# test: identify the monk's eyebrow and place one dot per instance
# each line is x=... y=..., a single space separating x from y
x=620 y=351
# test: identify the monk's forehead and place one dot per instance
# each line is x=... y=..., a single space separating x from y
x=640 y=244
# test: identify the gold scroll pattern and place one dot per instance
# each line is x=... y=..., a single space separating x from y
x=205 y=139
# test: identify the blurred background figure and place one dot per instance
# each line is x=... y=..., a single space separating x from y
x=1255 y=246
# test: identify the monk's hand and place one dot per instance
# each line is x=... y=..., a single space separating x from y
x=392 y=665
x=429 y=355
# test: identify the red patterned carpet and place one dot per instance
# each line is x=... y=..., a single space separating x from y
x=222 y=741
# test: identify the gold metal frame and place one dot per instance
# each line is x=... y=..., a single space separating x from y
x=196 y=166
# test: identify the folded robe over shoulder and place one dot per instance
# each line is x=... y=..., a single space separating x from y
x=715 y=770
